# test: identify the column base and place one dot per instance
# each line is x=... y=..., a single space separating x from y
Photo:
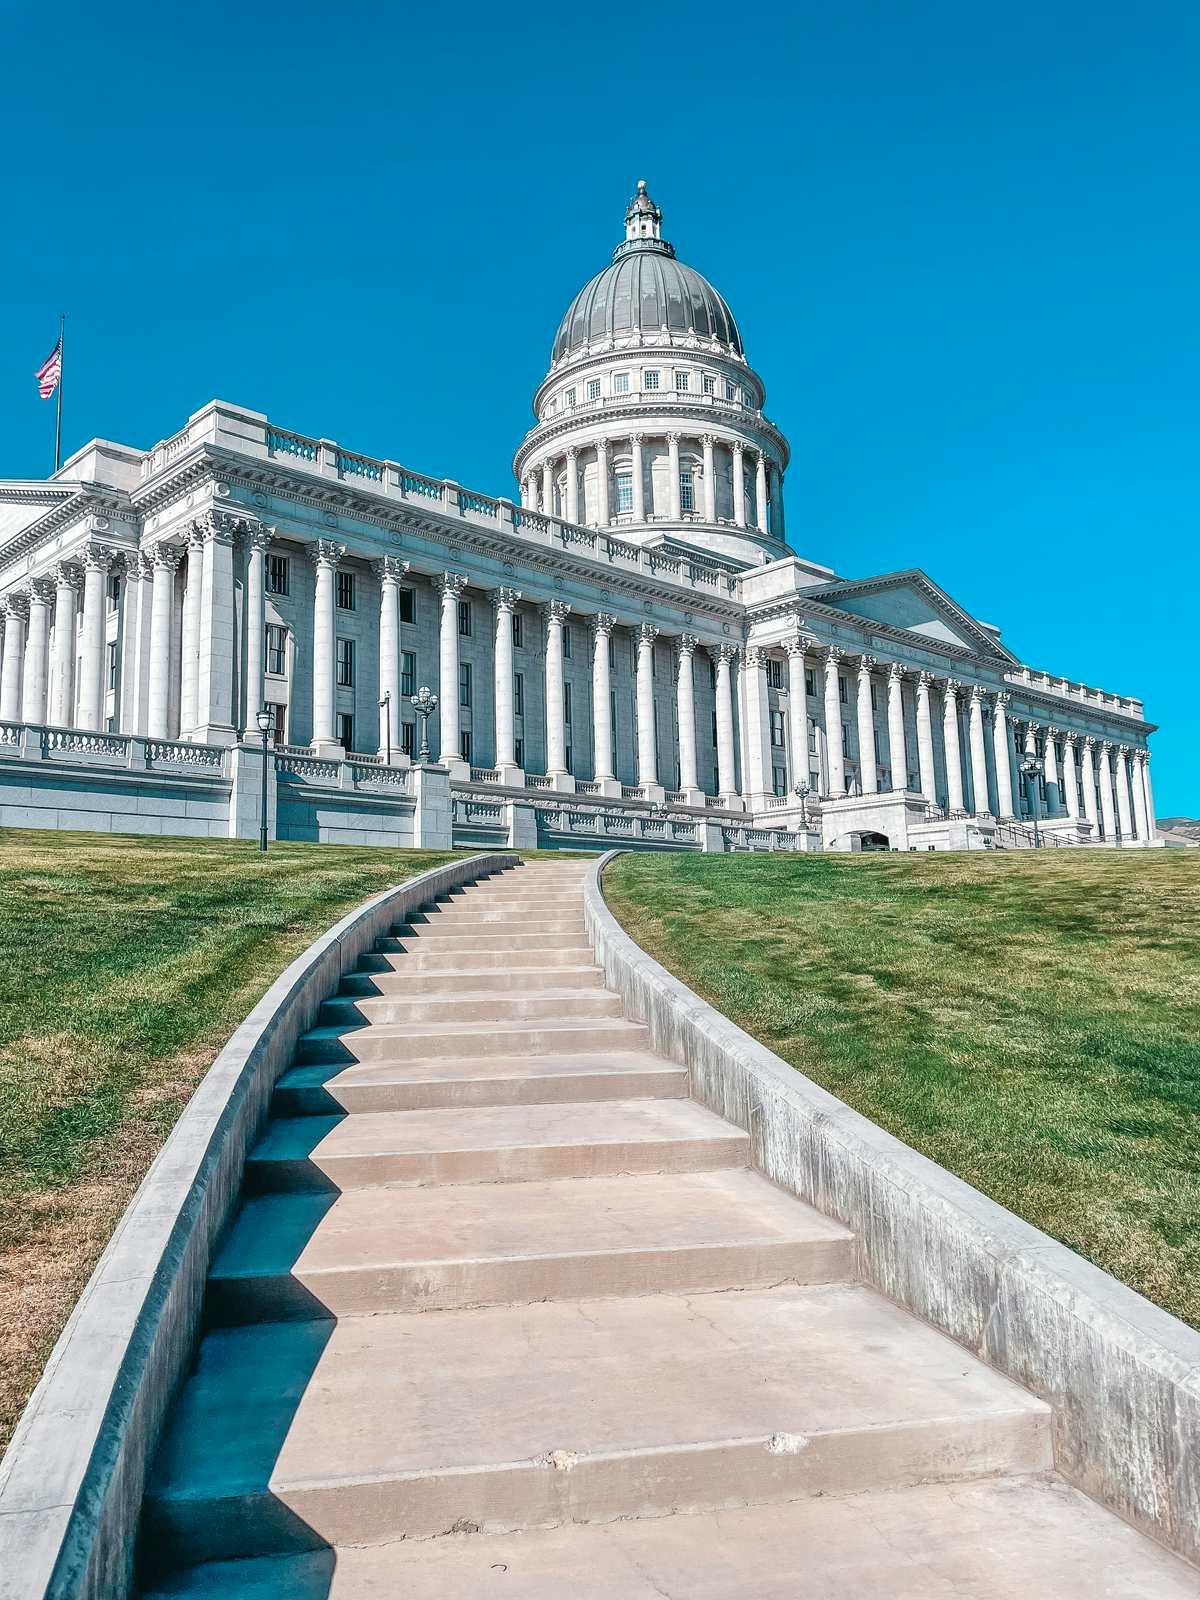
x=328 y=749
x=731 y=802
x=562 y=782
x=695 y=798
x=399 y=759
x=459 y=770
x=511 y=777
x=610 y=788
x=653 y=792
x=213 y=733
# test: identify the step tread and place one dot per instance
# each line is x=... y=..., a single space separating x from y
x=370 y=1399
x=515 y=1025
x=461 y=1128
x=457 y=993
x=464 y=1068
x=996 y=1539
x=305 y=1235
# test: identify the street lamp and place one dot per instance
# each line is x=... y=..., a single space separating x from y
x=385 y=705
x=424 y=704
x=266 y=720
x=1032 y=767
x=802 y=792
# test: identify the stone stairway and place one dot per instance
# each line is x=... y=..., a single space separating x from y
x=501 y=1299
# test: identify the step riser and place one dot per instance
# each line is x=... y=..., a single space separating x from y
x=379 y=985
x=624 y=1484
x=367 y=1045
x=522 y=1164
x=458 y=1286
x=385 y=1011
x=464 y=923
x=571 y=1088
x=439 y=963
x=497 y=943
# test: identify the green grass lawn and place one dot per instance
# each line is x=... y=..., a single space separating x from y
x=125 y=964
x=1029 y=1020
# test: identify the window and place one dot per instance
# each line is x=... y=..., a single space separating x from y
x=650 y=380
x=712 y=674
x=681 y=383
x=842 y=692
x=408 y=605
x=570 y=397
x=567 y=704
x=408 y=739
x=566 y=640
x=345 y=730
x=687 y=494
x=345 y=591
x=624 y=491
x=276 y=649
x=810 y=681
x=777 y=729
x=569 y=758
x=812 y=737
x=518 y=630
x=519 y=751
x=714 y=730
x=518 y=694
x=464 y=684
x=112 y=665
x=612 y=654
x=113 y=591
x=774 y=673
x=730 y=390
x=593 y=389
x=345 y=663
x=612 y=713
x=408 y=672
x=876 y=738
x=845 y=738
x=710 y=383
x=278 y=722
x=278 y=574
x=874 y=699
x=464 y=744
x=778 y=780
x=620 y=383
x=464 y=618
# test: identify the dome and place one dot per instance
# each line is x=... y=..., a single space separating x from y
x=645 y=290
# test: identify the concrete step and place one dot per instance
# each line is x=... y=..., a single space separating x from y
x=445 y=1248
x=997 y=1539
x=493 y=1144
x=465 y=975
x=433 y=1041
x=477 y=1081
x=507 y=899
x=389 y=1426
x=411 y=957
x=458 y=1002
x=465 y=921
x=408 y=938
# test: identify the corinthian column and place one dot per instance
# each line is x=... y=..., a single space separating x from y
x=1053 y=788
x=897 y=755
x=739 y=485
x=16 y=615
x=1088 y=771
x=724 y=655
x=602 y=510
x=798 y=706
x=1122 y=774
x=503 y=603
x=673 y=506
x=757 y=785
x=926 y=770
x=685 y=693
x=760 y=493
x=979 y=783
x=836 y=756
x=868 y=772
x=449 y=587
x=639 y=483
x=710 y=480
x=950 y=740
x=603 y=771
x=1107 y=811
x=391 y=571
x=97 y=560
x=37 y=651
x=1151 y=822
x=1070 y=777
x=255 y=622
x=189 y=655
x=1004 y=789
x=326 y=556
x=1139 y=796
x=62 y=673
x=214 y=671
x=555 y=615
x=547 y=488
x=647 y=751
x=572 y=512
x=166 y=558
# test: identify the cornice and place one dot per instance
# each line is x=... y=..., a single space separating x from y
x=84 y=499
x=738 y=422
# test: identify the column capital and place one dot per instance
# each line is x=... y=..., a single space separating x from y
x=738 y=447
x=602 y=624
x=1141 y=756
x=799 y=644
x=217 y=526
x=834 y=655
x=97 y=557
x=674 y=437
x=391 y=569
x=1124 y=750
x=950 y=688
x=41 y=590
x=16 y=606
x=708 y=440
x=1001 y=700
x=505 y=599
x=257 y=535
x=166 y=557
x=68 y=576
x=142 y=566
x=572 y=452
x=896 y=671
x=1070 y=740
x=867 y=664
x=1051 y=731
x=326 y=553
x=1089 y=741
x=925 y=682
x=601 y=447
x=647 y=633
x=1032 y=727
x=449 y=585
x=755 y=657
x=978 y=694
x=727 y=653
x=637 y=439
x=555 y=612
x=685 y=644
x=1105 y=746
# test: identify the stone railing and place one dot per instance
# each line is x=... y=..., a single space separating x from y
x=360 y=773
x=484 y=775
x=470 y=813
x=34 y=741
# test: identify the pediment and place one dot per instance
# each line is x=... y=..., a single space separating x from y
x=914 y=604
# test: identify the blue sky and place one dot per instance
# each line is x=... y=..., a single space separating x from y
x=962 y=242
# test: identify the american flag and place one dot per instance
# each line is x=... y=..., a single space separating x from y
x=50 y=371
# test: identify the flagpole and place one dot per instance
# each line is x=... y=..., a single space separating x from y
x=62 y=333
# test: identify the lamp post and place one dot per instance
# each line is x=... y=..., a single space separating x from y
x=1032 y=767
x=424 y=704
x=265 y=719
x=385 y=705
x=802 y=792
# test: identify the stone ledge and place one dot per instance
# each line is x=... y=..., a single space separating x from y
x=1122 y=1375
x=72 y=1480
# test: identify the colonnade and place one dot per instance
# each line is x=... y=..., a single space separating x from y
x=538 y=484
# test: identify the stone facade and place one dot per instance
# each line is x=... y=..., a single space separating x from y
x=631 y=632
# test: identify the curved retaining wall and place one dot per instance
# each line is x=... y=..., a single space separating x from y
x=71 y=1483
x=1122 y=1376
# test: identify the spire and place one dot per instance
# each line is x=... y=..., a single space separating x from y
x=643 y=225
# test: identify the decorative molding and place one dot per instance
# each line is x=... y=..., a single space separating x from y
x=327 y=553
x=391 y=569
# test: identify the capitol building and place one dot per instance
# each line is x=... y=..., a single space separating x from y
x=626 y=649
